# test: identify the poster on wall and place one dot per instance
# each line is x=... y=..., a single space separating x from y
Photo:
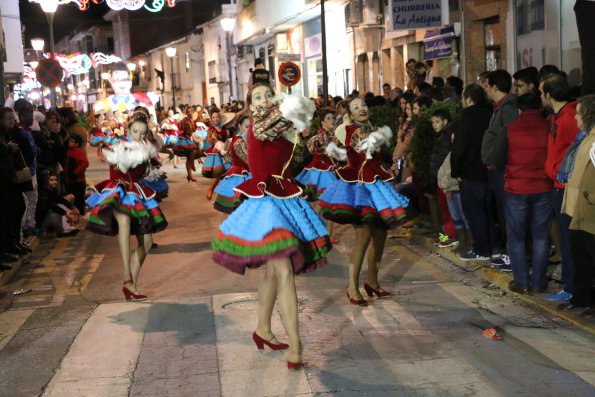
x=418 y=14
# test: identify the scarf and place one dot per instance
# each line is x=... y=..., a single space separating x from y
x=568 y=161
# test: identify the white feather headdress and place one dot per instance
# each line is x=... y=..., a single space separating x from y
x=126 y=155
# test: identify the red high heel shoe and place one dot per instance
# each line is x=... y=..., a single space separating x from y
x=130 y=296
x=359 y=302
x=260 y=342
x=190 y=179
x=371 y=291
x=294 y=366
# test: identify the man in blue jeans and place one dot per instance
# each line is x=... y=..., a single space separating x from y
x=555 y=94
x=527 y=190
x=493 y=148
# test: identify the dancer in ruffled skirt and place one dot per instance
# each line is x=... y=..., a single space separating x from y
x=319 y=174
x=363 y=197
x=227 y=199
x=122 y=206
x=274 y=227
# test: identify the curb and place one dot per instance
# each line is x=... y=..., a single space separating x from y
x=501 y=280
x=6 y=275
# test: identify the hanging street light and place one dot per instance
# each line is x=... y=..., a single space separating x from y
x=50 y=7
x=171 y=53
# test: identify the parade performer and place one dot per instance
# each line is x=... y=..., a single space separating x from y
x=362 y=196
x=319 y=173
x=227 y=200
x=169 y=129
x=186 y=146
x=156 y=177
x=215 y=165
x=274 y=227
x=100 y=128
x=122 y=206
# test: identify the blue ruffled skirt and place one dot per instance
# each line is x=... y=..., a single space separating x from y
x=266 y=228
x=145 y=215
x=170 y=140
x=316 y=182
x=213 y=166
x=227 y=199
x=359 y=203
x=160 y=186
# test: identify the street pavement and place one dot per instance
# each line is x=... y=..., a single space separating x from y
x=74 y=335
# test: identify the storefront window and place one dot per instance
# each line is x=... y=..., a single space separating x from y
x=571 y=48
x=492 y=44
x=546 y=33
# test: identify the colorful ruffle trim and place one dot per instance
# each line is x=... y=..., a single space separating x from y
x=227 y=199
x=145 y=215
x=315 y=182
x=356 y=203
x=236 y=254
x=213 y=166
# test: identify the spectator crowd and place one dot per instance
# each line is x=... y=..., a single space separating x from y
x=507 y=163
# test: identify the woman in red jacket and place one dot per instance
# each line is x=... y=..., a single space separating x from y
x=74 y=171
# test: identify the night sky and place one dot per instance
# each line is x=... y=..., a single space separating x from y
x=147 y=30
x=67 y=18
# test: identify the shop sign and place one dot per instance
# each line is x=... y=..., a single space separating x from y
x=289 y=74
x=418 y=14
x=438 y=43
x=289 y=57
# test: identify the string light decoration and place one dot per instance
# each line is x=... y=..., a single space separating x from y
x=77 y=63
x=117 y=5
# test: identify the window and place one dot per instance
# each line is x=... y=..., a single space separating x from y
x=110 y=44
x=187 y=61
x=492 y=34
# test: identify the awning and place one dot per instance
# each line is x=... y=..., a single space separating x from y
x=438 y=43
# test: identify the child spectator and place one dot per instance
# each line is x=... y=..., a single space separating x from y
x=74 y=171
x=59 y=213
x=442 y=125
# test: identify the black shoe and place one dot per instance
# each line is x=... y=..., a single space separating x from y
x=5 y=267
x=514 y=288
x=5 y=258
x=70 y=233
x=24 y=247
x=15 y=250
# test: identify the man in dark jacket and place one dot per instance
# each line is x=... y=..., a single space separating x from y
x=493 y=147
x=528 y=195
x=466 y=164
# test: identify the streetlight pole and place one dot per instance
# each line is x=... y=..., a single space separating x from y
x=50 y=7
x=171 y=53
x=228 y=23
x=324 y=66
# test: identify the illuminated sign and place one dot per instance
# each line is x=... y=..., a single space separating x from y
x=117 y=5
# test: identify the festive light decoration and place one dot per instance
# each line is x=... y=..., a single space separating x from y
x=74 y=64
x=100 y=58
x=117 y=5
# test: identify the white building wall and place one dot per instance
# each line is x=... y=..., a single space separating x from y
x=11 y=26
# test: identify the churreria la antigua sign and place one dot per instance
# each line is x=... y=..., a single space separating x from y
x=418 y=14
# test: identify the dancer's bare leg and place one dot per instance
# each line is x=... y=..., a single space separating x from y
x=267 y=293
x=190 y=166
x=363 y=235
x=145 y=241
x=375 y=255
x=289 y=304
x=176 y=160
x=212 y=188
x=123 y=221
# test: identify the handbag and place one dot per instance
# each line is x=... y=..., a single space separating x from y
x=22 y=175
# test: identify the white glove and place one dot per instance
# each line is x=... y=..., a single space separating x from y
x=297 y=109
x=334 y=151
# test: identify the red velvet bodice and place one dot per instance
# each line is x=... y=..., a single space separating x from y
x=358 y=168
